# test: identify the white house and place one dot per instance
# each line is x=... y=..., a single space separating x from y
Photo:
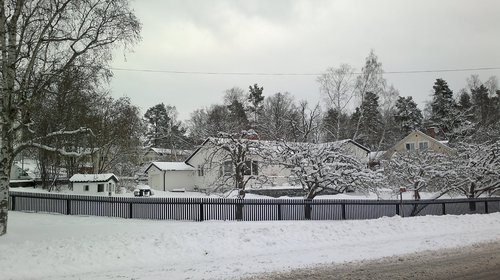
x=169 y=176
x=209 y=167
x=418 y=141
x=161 y=154
x=94 y=183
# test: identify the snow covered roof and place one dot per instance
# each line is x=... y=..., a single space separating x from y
x=93 y=177
x=163 y=151
x=170 y=166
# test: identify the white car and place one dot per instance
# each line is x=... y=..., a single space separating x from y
x=143 y=190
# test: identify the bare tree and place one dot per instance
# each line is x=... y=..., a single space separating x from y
x=40 y=41
x=306 y=123
x=338 y=87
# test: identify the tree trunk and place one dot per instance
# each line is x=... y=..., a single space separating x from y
x=5 y=166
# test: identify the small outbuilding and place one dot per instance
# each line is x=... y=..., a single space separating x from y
x=94 y=183
x=170 y=176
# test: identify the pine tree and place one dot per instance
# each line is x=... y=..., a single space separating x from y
x=369 y=119
x=408 y=117
x=158 y=124
x=237 y=117
x=483 y=105
x=255 y=98
x=443 y=107
x=332 y=129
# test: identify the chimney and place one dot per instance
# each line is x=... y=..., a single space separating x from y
x=431 y=131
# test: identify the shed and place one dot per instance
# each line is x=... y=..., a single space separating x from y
x=94 y=183
x=169 y=176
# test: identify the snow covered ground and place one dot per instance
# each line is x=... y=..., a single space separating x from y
x=44 y=246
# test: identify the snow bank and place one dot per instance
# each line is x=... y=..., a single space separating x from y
x=69 y=247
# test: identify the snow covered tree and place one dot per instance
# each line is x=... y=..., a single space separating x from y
x=236 y=156
x=408 y=117
x=318 y=167
x=40 y=41
x=476 y=169
x=420 y=171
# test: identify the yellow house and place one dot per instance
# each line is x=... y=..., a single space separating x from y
x=418 y=141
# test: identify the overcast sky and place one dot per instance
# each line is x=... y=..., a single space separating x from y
x=286 y=36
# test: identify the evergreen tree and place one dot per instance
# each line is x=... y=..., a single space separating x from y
x=255 y=98
x=163 y=128
x=408 y=117
x=158 y=124
x=443 y=107
x=484 y=108
x=369 y=119
x=332 y=129
x=237 y=117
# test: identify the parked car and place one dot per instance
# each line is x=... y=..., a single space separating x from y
x=143 y=190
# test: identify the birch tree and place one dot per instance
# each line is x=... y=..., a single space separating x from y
x=40 y=41
x=338 y=88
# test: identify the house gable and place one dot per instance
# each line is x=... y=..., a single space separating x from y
x=415 y=141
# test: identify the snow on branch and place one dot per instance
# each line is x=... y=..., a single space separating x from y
x=35 y=143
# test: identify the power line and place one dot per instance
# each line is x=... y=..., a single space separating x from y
x=295 y=74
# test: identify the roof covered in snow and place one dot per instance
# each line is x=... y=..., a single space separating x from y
x=163 y=151
x=170 y=166
x=93 y=177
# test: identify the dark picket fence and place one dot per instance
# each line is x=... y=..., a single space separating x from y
x=200 y=209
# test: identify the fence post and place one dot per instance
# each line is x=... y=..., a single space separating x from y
x=13 y=199
x=444 y=208
x=201 y=212
x=68 y=206
x=486 y=210
x=307 y=209
x=279 y=212
x=397 y=209
x=342 y=206
x=239 y=210
x=130 y=210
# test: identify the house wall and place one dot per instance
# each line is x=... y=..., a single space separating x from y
x=277 y=175
x=17 y=173
x=416 y=138
x=178 y=179
x=78 y=187
x=357 y=152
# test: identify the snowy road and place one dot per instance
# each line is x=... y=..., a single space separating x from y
x=43 y=246
x=479 y=262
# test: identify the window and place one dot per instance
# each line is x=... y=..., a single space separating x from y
x=252 y=167
x=100 y=187
x=410 y=146
x=423 y=145
x=201 y=170
x=226 y=168
x=86 y=188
